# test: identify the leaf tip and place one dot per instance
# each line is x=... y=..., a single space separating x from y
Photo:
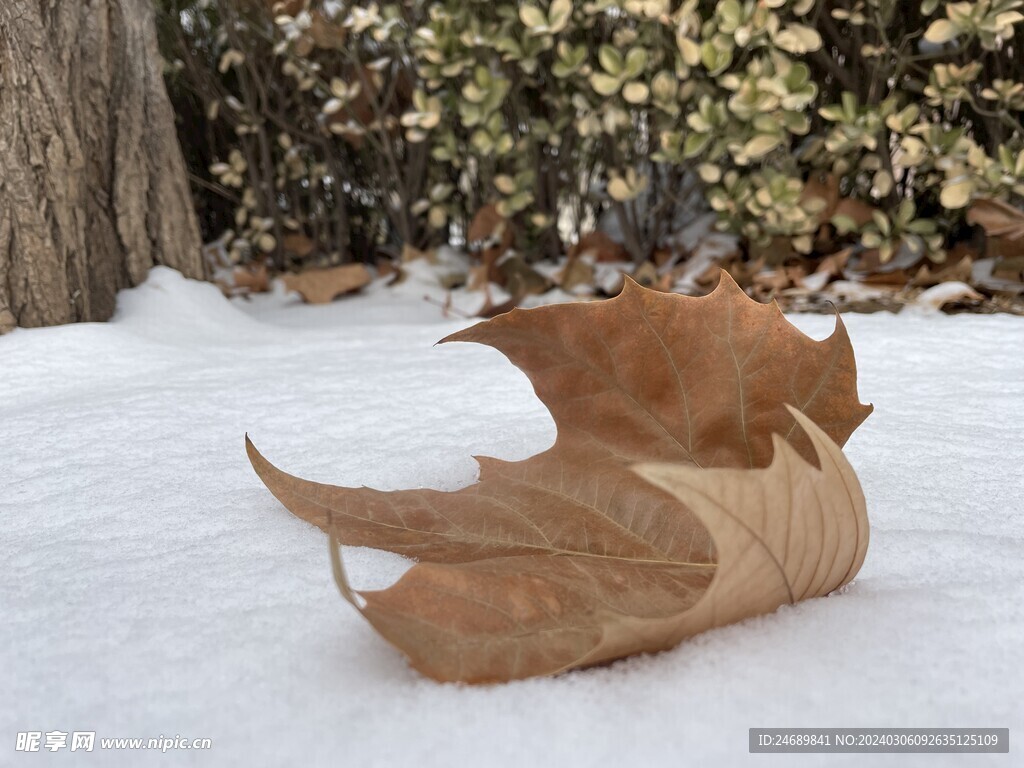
x=727 y=284
x=629 y=285
x=252 y=453
x=478 y=332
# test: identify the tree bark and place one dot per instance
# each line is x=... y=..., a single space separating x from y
x=93 y=188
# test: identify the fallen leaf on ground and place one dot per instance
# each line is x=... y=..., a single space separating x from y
x=600 y=247
x=321 y=286
x=492 y=309
x=577 y=276
x=411 y=253
x=997 y=218
x=490 y=235
x=298 y=245
x=857 y=211
x=824 y=187
x=663 y=258
x=834 y=264
x=775 y=252
x=519 y=278
x=242 y=281
x=476 y=278
x=768 y=282
x=867 y=266
x=385 y=266
x=957 y=267
x=571 y=558
x=511 y=617
x=647 y=276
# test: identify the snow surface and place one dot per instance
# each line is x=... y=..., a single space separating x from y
x=152 y=586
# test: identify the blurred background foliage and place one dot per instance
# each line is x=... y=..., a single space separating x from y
x=320 y=132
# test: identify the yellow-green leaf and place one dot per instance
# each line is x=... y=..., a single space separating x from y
x=941 y=31
x=761 y=145
x=635 y=93
x=798 y=38
x=957 y=194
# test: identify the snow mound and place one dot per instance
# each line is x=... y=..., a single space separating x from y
x=170 y=308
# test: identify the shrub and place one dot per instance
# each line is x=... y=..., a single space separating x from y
x=804 y=125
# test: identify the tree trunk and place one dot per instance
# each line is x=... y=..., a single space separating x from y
x=93 y=189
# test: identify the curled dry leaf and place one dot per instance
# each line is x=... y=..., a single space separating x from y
x=786 y=533
x=571 y=558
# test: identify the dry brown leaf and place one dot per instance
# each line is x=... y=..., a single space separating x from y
x=298 y=245
x=664 y=283
x=646 y=275
x=600 y=247
x=957 y=266
x=411 y=253
x=775 y=252
x=824 y=187
x=783 y=534
x=769 y=282
x=321 y=286
x=742 y=271
x=476 y=278
x=1006 y=251
x=867 y=267
x=519 y=278
x=834 y=264
x=290 y=7
x=325 y=33
x=489 y=238
x=561 y=560
x=997 y=218
x=490 y=309
x=243 y=280
x=577 y=274
x=1010 y=268
x=386 y=268
x=860 y=212
x=663 y=257
x=252 y=278
x=489 y=230
x=512 y=617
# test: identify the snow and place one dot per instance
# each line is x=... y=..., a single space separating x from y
x=152 y=586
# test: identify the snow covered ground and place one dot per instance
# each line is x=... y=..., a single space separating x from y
x=152 y=586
